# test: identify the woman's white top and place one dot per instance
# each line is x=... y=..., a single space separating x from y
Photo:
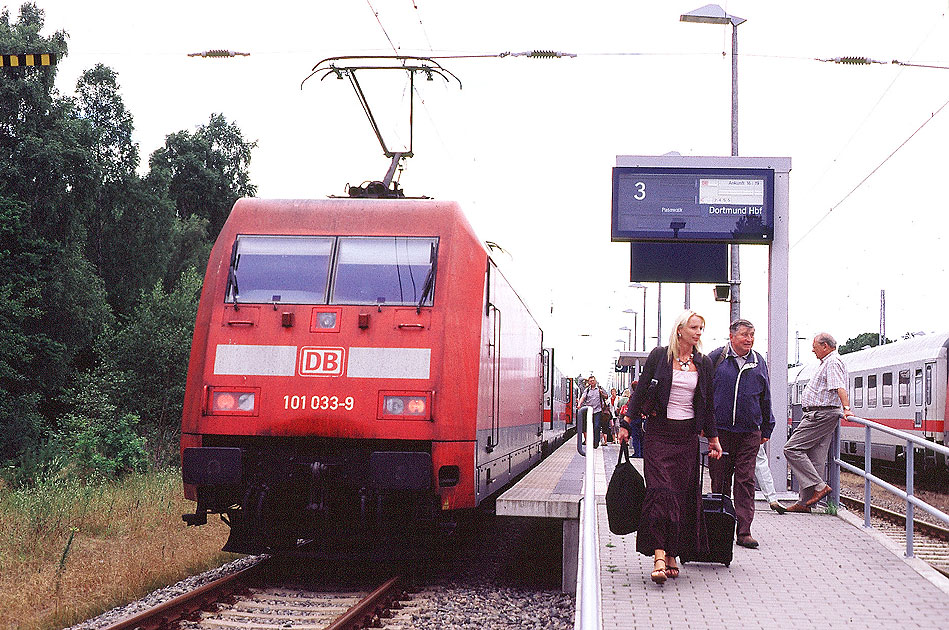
x=680 y=396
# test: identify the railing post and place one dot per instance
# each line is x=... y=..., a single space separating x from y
x=589 y=589
x=867 y=449
x=833 y=472
x=908 y=495
x=910 y=508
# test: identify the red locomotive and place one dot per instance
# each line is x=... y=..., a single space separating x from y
x=359 y=363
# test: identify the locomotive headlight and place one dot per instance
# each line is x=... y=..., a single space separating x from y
x=395 y=405
x=326 y=320
x=233 y=402
x=408 y=406
x=245 y=402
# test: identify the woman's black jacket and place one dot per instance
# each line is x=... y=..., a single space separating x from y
x=658 y=367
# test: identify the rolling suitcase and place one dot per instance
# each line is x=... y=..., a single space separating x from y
x=717 y=525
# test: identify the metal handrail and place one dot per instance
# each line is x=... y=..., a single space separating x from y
x=912 y=501
x=588 y=587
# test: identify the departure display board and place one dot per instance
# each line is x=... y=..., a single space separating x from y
x=732 y=205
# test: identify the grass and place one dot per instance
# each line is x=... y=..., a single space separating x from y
x=69 y=551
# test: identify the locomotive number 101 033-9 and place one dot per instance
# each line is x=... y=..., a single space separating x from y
x=318 y=402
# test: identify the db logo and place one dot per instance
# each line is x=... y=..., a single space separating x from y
x=321 y=361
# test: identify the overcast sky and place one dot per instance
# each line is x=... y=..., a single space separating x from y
x=527 y=145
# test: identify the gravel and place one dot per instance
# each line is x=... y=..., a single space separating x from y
x=852 y=486
x=163 y=595
x=500 y=573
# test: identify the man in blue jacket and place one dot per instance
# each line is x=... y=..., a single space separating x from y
x=742 y=401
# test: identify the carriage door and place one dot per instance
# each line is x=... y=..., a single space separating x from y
x=929 y=400
x=547 y=390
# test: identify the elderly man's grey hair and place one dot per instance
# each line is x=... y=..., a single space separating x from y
x=826 y=339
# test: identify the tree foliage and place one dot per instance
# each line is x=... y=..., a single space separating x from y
x=206 y=171
x=99 y=266
x=861 y=341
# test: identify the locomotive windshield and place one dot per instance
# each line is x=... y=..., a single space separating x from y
x=384 y=270
x=292 y=269
x=391 y=270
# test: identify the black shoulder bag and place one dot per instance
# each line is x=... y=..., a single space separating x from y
x=624 y=495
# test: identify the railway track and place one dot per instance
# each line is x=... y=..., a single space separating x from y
x=251 y=599
x=930 y=542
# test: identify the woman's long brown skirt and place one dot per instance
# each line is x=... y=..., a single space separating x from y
x=671 y=514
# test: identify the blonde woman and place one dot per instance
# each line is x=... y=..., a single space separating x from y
x=677 y=407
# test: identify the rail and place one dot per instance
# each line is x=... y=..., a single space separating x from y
x=588 y=587
x=912 y=501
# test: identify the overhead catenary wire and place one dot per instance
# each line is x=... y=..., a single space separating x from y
x=384 y=32
x=421 y=25
x=871 y=173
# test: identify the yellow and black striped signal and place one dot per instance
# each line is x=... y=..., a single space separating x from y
x=21 y=61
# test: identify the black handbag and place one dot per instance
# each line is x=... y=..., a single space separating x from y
x=650 y=400
x=624 y=495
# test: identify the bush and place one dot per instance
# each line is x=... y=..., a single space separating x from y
x=103 y=449
x=100 y=442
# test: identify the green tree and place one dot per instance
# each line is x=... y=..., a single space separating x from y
x=131 y=227
x=205 y=172
x=151 y=352
x=21 y=424
x=52 y=294
x=861 y=341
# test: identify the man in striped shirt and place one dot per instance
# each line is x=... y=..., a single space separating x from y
x=825 y=401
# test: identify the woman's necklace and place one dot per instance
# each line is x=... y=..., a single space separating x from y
x=684 y=364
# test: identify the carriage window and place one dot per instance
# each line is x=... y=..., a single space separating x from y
x=291 y=269
x=887 y=394
x=872 y=390
x=903 y=392
x=385 y=270
x=856 y=395
x=918 y=387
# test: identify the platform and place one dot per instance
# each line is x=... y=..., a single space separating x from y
x=811 y=570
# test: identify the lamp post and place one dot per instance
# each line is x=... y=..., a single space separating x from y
x=618 y=350
x=714 y=14
x=638 y=285
x=629 y=335
x=632 y=333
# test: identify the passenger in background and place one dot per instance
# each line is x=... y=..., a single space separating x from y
x=742 y=400
x=766 y=481
x=610 y=429
x=593 y=397
x=825 y=401
x=635 y=428
x=677 y=408
x=606 y=422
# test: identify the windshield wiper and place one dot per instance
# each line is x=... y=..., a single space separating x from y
x=429 y=284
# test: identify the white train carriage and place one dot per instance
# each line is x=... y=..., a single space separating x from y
x=902 y=385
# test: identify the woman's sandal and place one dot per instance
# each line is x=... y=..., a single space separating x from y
x=659 y=575
x=672 y=572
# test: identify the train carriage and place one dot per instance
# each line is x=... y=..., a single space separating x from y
x=356 y=363
x=902 y=385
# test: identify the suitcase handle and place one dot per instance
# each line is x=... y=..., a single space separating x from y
x=702 y=467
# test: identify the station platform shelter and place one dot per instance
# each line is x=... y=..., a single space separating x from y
x=816 y=570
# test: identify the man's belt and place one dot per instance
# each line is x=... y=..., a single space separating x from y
x=810 y=409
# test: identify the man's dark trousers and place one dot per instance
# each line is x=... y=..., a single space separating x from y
x=742 y=449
